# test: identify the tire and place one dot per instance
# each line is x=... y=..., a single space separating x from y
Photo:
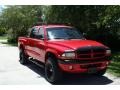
x=23 y=58
x=52 y=71
x=101 y=72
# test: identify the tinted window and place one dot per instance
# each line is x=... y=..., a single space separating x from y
x=41 y=32
x=33 y=33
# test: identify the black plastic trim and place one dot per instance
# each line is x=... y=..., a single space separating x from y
x=75 y=61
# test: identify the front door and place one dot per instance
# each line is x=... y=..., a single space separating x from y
x=39 y=47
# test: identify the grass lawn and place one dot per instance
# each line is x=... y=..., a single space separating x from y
x=11 y=44
x=114 y=67
x=3 y=40
x=3 y=37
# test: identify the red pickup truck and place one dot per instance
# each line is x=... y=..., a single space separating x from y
x=60 y=49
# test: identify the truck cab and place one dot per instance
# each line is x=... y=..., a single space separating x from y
x=63 y=49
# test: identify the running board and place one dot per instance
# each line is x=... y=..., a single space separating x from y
x=37 y=63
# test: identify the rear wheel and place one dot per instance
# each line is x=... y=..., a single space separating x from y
x=23 y=57
x=52 y=71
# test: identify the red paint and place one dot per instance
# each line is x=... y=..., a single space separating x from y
x=37 y=49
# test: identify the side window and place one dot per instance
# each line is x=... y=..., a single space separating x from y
x=33 y=33
x=41 y=32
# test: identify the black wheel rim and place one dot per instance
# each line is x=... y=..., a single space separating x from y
x=49 y=72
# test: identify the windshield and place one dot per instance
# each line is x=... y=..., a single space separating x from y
x=63 y=33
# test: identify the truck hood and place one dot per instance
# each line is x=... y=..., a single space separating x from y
x=73 y=44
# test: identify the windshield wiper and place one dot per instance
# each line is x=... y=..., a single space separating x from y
x=63 y=38
x=58 y=38
x=70 y=38
x=67 y=38
x=73 y=38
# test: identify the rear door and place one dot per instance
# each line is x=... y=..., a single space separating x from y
x=31 y=43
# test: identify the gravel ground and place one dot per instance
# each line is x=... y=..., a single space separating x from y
x=13 y=73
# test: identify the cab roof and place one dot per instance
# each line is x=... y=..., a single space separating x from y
x=51 y=26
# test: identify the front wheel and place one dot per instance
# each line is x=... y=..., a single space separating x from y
x=23 y=58
x=52 y=71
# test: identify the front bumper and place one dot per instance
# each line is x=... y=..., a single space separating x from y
x=83 y=66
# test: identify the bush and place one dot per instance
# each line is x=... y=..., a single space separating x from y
x=11 y=40
x=11 y=36
x=2 y=31
x=114 y=66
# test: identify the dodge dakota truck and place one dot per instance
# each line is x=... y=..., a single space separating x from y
x=63 y=49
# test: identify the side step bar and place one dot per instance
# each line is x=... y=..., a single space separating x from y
x=37 y=63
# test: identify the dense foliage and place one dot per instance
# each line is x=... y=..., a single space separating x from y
x=2 y=31
x=101 y=23
x=17 y=20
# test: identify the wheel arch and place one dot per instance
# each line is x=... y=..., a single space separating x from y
x=21 y=46
x=51 y=54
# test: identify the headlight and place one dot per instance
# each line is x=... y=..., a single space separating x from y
x=108 y=51
x=68 y=55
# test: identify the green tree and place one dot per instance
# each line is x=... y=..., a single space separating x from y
x=100 y=23
x=17 y=20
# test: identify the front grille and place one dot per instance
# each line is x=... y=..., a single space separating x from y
x=90 y=52
x=99 y=55
x=84 y=56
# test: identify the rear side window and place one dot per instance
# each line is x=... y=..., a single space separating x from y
x=33 y=33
